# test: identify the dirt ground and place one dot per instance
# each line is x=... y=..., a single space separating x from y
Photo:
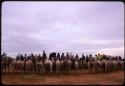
x=114 y=78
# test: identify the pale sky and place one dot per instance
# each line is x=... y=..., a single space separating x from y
x=88 y=27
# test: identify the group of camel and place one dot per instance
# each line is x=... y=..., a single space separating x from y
x=37 y=64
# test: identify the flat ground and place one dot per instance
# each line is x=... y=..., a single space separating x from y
x=114 y=78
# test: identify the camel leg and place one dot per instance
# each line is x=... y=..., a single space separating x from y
x=51 y=69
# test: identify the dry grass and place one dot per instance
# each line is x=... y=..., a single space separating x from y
x=115 y=78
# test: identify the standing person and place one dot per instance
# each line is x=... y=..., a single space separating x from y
x=87 y=59
x=99 y=56
x=67 y=55
x=90 y=57
x=33 y=60
x=62 y=56
x=44 y=55
x=77 y=57
x=96 y=56
x=21 y=57
x=39 y=58
x=25 y=56
x=17 y=57
x=103 y=57
x=58 y=56
x=83 y=57
x=25 y=59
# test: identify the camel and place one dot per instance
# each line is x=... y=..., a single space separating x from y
x=90 y=66
x=76 y=65
x=48 y=65
x=57 y=66
x=39 y=67
x=29 y=66
x=69 y=65
x=61 y=65
x=97 y=66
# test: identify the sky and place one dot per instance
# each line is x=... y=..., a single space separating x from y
x=75 y=27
